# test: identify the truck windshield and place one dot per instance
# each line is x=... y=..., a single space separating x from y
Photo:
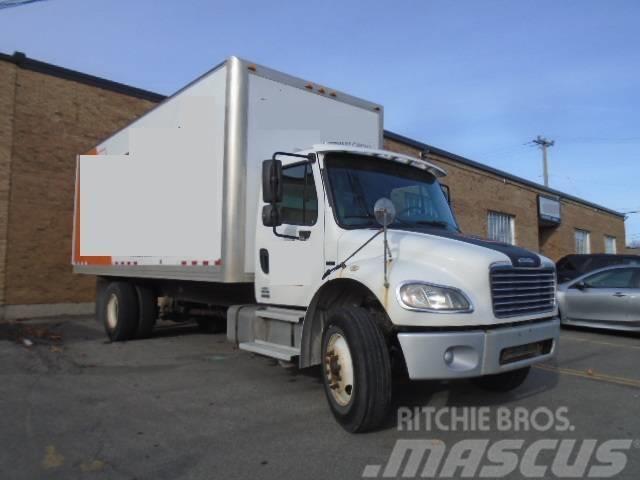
x=358 y=181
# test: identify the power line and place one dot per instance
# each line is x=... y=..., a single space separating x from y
x=543 y=143
x=501 y=151
x=15 y=3
x=592 y=181
x=610 y=140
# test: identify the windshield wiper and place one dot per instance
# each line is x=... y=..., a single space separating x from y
x=432 y=223
x=366 y=215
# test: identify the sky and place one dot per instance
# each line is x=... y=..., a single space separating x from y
x=478 y=78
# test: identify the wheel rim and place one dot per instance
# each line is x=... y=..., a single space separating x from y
x=112 y=311
x=338 y=368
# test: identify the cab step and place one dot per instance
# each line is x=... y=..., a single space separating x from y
x=268 y=349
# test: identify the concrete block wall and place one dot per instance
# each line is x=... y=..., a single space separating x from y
x=556 y=242
x=7 y=97
x=52 y=120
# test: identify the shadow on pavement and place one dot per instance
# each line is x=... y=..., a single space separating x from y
x=602 y=331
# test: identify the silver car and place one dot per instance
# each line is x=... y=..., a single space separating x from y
x=604 y=298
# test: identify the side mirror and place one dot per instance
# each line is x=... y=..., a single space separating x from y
x=271 y=216
x=271 y=181
x=580 y=285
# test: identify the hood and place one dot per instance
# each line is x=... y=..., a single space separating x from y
x=443 y=258
x=518 y=256
x=446 y=245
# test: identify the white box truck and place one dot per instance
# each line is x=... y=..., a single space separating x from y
x=266 y=200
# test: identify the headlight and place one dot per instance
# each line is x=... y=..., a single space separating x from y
x=433 y=298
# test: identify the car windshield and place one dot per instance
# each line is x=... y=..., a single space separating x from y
x=358 y=181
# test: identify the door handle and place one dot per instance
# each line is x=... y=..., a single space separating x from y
x=619 y=294
x=304 y=234
x=264 y=260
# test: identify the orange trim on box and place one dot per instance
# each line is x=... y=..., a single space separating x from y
x=77 y=258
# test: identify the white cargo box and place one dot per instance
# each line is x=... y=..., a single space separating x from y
x=174 y=194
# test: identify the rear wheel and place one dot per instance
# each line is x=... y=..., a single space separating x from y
x=356 y=370
x=503 y=382
x=118 y=310
x=147 y=310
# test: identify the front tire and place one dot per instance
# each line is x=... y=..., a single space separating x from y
x=118 y=311
x=503 y=382
x=356 y=370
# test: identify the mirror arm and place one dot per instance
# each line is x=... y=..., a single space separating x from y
x=282 y=235
x=311 y=157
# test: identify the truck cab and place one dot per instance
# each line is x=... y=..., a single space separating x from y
x=435 y=303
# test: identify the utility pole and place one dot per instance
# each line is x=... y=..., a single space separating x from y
x=544 y=144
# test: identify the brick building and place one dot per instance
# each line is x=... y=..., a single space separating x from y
x=48 y=114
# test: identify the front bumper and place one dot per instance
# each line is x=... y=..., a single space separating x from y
x=473 y=353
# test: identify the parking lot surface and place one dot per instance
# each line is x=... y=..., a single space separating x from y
x=189 y=405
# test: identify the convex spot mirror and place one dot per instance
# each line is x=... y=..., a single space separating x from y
x=384 y=211
x=271 y=181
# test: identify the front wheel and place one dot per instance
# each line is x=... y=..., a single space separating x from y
x=356 y=370
x=503 y=382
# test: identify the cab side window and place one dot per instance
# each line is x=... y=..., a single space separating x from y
x=299 y=199
x=618 y=278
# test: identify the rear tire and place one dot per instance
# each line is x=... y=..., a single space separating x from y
x=356 y=370
x=503 y=382
x=147 y=310
x=118 y=310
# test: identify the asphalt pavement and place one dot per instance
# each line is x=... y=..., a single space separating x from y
x=184 y=404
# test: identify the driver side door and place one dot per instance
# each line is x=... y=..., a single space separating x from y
x=288 y=268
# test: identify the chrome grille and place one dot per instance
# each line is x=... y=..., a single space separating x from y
x=522 y=291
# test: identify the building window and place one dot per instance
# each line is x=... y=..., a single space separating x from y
x=501 y=227
x=299 y=200
x=583 y=241
x=609 y=244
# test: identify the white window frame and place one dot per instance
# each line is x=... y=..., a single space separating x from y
x=610 y=244
x=582 y=240
x=501 y=227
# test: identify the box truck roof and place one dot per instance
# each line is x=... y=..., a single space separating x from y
x=240 y=84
